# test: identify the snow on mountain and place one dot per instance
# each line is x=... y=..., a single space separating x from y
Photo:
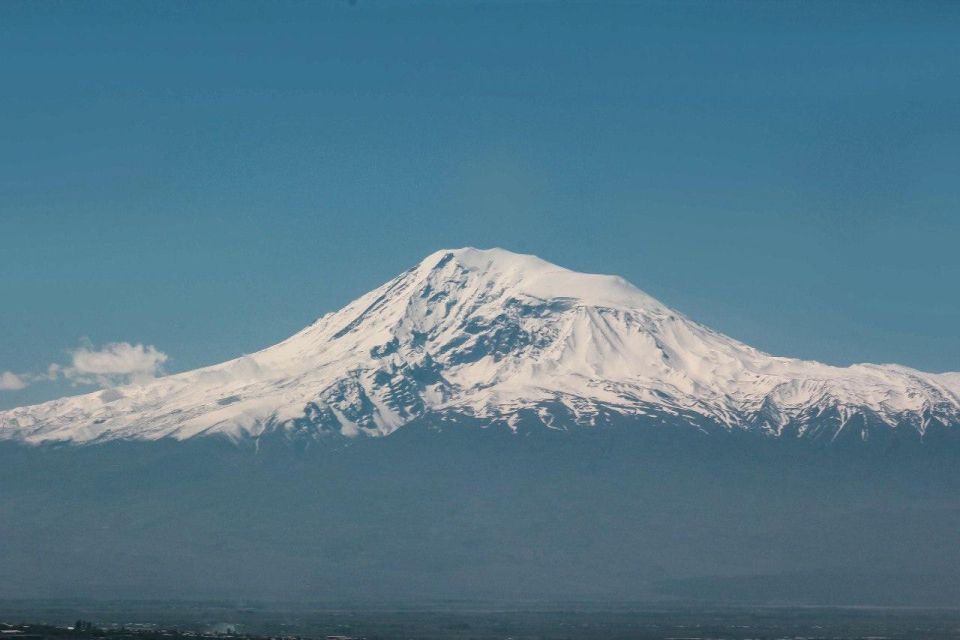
x=508 y=339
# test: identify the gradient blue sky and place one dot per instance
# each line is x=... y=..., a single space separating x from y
x=209 y=178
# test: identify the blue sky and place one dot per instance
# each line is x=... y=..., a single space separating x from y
x=207 y=178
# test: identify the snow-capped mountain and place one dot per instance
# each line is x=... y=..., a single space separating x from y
x=512 y=341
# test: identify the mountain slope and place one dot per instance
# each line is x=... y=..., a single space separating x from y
x=504 y=339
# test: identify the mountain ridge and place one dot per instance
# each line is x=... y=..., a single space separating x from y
x=509 y=340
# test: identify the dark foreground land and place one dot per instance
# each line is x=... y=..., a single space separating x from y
x=180 y=621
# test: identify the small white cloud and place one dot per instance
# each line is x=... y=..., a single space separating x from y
x=53 y=371
x=10 y=381
x=116 y=363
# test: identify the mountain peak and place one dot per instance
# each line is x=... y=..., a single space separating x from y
x=504 y=339
x=538 y=278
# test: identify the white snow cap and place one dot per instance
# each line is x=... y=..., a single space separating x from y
x=496 y=336
x=536 y=277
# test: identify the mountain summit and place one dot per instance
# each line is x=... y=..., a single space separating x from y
x=508 y=340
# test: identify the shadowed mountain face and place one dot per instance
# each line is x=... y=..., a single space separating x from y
x=491 y=426
x=614 y=514
x=513 y=341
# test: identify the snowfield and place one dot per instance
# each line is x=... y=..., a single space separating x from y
x=511 y=340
